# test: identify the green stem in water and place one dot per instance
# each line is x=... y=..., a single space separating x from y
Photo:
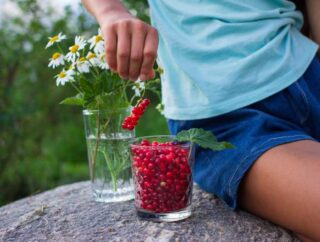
x=112 y=173
x=114 y=182
x=93 y=169
x=97 y=144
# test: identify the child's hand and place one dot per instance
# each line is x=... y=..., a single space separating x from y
x=131 y=45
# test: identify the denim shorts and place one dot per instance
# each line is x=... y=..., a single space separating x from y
x=290 y=115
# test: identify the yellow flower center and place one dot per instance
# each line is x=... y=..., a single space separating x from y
x=56 y=56
x=82 y=59
x=74 y=48
x=91 y=55
x=54 y=39
x=98 y=38
x=62 y=74
x=102 y=57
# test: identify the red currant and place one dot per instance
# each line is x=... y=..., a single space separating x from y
x=131 y=121
x=166 y=177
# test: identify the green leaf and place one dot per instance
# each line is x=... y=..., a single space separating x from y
x=76 y=100
x=86 y=86
x=203 y=138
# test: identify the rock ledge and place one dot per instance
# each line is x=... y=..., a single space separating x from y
x=68 y=213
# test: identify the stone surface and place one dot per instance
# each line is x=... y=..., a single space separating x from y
x=68 y=213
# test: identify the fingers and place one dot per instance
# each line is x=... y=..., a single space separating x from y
x=123 y=49
x=111 y=47
x=137 y=44
x=131 y=48
x=149 y=55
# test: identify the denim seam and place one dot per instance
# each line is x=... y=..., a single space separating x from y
x=255 y=152
x=306 y=102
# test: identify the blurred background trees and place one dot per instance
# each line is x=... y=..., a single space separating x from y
x=42 y=143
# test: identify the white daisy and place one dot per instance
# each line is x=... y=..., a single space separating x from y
x=83 y=65
x=64 y=76
x=57 y=59
x=102 y=62
x=136 y=90
x=97 y=43
x=160 y=108
x=79 y=44
x=71 y=67
x=138 y=87
x=93 y=59
x=54 y=39
x=160 y=70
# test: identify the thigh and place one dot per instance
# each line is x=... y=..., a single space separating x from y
x=283 y=186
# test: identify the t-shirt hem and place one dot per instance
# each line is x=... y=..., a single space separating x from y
x=242 y=100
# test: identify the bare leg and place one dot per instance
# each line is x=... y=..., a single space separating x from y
x=283 y=186
x=304 y=238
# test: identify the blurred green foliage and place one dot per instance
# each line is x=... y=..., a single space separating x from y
x=42 y=144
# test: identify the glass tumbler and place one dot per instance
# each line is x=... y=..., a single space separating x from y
x=108 y=154
x=162 y=177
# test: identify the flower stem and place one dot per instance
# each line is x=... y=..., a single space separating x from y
x=114 y=182
x=93 y=170
x=75 y=87
x=111 y=170
x=60 y=49
x=98 y=134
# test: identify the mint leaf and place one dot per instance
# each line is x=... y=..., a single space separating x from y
x=76 y=100
x=203 y=138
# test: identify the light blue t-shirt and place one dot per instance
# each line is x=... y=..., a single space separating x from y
x=221 y=55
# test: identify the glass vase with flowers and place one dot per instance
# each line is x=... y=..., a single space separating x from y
x=111 y=109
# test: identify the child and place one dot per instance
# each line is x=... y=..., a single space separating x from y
x=243 y=70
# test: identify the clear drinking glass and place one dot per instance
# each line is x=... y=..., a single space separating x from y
x=162 y=178
x=108 y=154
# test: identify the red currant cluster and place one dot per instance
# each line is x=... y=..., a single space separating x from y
x=131 y=121
x=162 y=176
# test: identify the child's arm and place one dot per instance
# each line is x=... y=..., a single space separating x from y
x=131 y=45
x=313 y=9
